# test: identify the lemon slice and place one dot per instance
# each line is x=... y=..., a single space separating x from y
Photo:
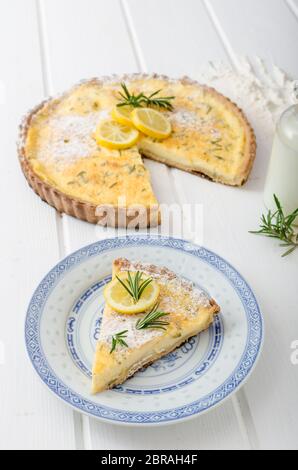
x=122 y=114
x=113 y=135
x=120 y=300
x=151 y=122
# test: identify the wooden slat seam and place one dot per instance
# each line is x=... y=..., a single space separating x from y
x=245 y=420
x=44 y=56
x=293 y=7
x=221 y=33
x=49 y=91
x=137 y=51
x=240 y=402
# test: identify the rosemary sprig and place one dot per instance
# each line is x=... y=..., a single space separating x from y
x=278 y=225
x=118 y=340
x=134 y=284
x=137 y=101
x=151 y=320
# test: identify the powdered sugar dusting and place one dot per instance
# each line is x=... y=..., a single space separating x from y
x=115 y=323
x=70 y=137
x=190 y=120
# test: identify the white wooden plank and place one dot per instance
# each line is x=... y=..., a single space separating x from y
x=79 y=46
x=215 y=431
x=231 y=213
x=254 y=32
x=31 y=418
x=267 y=29
x=114 y=60
x=173 y=37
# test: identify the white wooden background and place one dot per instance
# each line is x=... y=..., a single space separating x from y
x=47 y=45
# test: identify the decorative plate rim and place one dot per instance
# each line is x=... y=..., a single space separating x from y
x=246 y=365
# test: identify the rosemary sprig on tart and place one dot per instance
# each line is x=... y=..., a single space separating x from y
x=118 y=340
x=134 y=286
x=278 y=225
x=152 y=320
x=141 y=100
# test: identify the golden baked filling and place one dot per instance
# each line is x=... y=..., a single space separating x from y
x=129 y=342
x=210 y=136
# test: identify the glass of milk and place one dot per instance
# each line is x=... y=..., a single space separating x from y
x=282 y=177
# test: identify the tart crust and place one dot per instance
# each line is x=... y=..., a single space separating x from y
x=121 y=216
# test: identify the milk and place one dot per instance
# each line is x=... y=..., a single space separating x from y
x=282 y=177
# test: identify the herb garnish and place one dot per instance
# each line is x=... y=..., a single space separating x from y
x=137 y=101
x=131 y=169
x=82 y=177
x=134 y=286
x=118 y=339
x=277 y=225
x=151 y=320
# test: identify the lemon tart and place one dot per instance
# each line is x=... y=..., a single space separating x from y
x=69 y=156
x=129 y=342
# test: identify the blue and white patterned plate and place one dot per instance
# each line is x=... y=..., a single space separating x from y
x=63 y=322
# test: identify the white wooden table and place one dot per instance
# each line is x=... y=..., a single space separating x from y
x=47 y=45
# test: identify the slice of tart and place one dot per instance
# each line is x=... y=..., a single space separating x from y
x=71 y=170
x=129 y=342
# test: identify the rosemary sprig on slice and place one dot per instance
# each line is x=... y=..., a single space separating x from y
x=278 y=225
x=134 y=284
x=118 y=340
x=152 y=320
x=137 y=101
